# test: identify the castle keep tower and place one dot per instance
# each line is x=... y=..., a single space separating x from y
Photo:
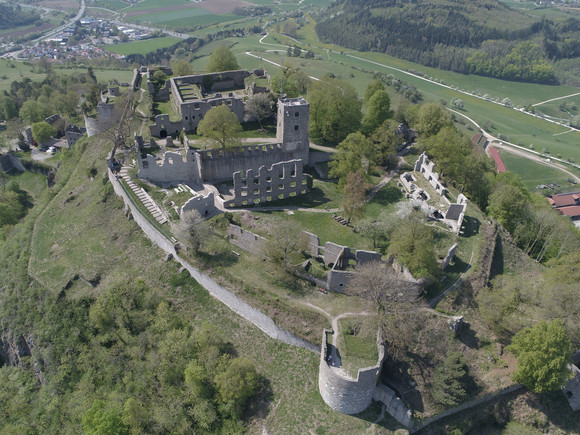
x=292 y=128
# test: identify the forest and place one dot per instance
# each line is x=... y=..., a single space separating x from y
x=14 y=16
x=484 y=38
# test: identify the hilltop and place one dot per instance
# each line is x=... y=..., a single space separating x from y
x=485 y=37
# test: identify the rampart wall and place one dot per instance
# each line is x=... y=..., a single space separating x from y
x=342 y=393
x=246 y=239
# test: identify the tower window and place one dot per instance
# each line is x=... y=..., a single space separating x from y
x=295 y=128
x=296 y=114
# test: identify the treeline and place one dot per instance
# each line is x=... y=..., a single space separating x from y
x=485 y=38
x=14 y=15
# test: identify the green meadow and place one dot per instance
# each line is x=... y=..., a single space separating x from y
x=143 y=47
x=534 y=174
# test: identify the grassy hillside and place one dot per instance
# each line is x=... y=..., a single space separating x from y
x=72 y=249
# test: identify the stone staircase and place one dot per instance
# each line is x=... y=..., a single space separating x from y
x=144 y=197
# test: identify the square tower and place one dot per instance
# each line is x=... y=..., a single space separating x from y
x=292 y=127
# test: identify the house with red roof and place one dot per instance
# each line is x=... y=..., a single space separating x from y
x=568 y=204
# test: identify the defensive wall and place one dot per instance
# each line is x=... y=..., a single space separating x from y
x=341 y=392
x=246 y=240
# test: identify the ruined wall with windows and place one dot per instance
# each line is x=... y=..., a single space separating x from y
x=282 y=180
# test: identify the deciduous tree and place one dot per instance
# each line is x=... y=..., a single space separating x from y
x=335 y=110
x=378 y=110
x=192 y=230
x=354 y=195
x=219 y=127
x=261 y=106
x=397 y=302
x=42 y=131
x=222 y=59
x=412 y=244
x=543 y=353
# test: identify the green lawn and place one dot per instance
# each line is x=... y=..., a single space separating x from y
x=143 y=47
x=11 y=70
x=533 y=173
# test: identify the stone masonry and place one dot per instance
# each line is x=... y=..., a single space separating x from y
x=341 y=392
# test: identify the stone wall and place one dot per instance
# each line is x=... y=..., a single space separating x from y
x=333 y=253
x=281 y=181
x=192 y=112
x=204 y=204
x=174 y=168
x=219 y=165
x=312 y=243
x=73 y=133
x=394 y=405
x=292 y=127
x=366 y=256
x=427 y=168
x=136 y=81
x=342 y=393
x=246 y=240
x=102 y=121
x=163 y=126
x=338 y=280
x=456 y=213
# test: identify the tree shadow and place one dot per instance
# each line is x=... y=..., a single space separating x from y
x=259 y=406
x=497 y=263
x=218 y=258
x=395 y=374
x=471 y=226
x=468 y=336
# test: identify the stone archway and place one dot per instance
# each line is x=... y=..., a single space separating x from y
x=163 y=134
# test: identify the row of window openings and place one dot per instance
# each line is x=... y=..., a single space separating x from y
x=268 y=189
x=268 y=179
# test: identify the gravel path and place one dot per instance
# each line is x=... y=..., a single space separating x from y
x=243 y=309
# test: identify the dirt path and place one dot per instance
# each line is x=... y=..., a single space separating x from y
x=556 y=99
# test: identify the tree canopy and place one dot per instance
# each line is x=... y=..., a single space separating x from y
x=543 y=353
x=378 y=110
x=42 y=131
x=222 y=59
x=219 y=127
x=335 y=110
x=412 y=244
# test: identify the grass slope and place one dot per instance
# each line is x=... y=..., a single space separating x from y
x=77 y=234
x=143 y=47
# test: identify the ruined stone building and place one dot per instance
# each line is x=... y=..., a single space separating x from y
x=259 y=173
x=193 y=96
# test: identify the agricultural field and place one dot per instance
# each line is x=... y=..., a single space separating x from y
x=108 y=4
x=182 y=14
x=534 y=174
x=142 y=47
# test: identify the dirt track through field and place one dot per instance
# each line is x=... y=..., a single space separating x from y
x=214 y=6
